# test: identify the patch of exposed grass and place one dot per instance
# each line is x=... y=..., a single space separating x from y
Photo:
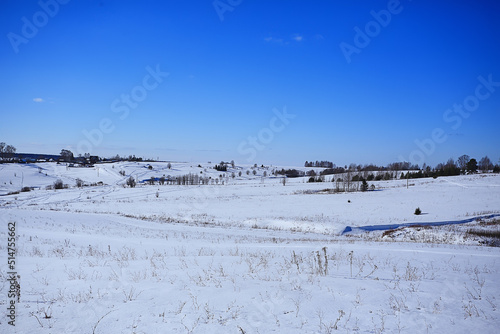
x=484 y=234
x=489 y=223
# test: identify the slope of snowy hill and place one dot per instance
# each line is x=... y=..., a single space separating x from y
x=246 y=255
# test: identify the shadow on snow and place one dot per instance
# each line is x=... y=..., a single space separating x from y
x=370 y=228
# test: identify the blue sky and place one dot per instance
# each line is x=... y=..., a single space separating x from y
x=234 y=67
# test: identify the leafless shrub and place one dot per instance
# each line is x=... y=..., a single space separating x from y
x=411 y=273
x=470 y=309
x=58 y=184
x=79 y=182
x=130 y=295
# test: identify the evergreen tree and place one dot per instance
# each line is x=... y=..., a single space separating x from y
x=364 y=185
x=472 y=166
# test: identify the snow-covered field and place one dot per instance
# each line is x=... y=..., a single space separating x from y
x=249 y=256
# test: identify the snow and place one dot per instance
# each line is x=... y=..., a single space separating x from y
x=248 y=256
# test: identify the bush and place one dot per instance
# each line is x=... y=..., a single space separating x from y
x=418 y=211
x=79 y=183
x=131 y=182
x=25 y=189
x=58 y=184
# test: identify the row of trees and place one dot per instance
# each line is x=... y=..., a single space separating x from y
x=68 y=156
x=182 y=180
x=466 y=165
x=289 y=172
x=463 y=165
x=222 y=167
x=321 y=164
x=334 y=169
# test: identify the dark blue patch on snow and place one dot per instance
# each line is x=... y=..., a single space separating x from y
x=370 y=228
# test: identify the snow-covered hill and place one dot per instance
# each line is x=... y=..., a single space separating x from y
x=247 y=255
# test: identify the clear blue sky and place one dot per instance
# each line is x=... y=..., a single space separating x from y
x=226 y=76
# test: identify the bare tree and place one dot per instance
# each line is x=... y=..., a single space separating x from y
x=66 y=155
x=450 y=163
x=462 y=162
x=485 y=164
x=7 y=151
x=348 y=178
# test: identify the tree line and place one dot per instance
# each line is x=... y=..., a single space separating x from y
x=463 y=165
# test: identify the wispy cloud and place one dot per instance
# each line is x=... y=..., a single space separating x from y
x=297 y=38
x=38 y=100
x=275 y=40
